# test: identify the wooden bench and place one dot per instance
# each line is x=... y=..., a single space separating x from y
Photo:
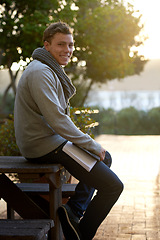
x=40 y=189
x=20 y=201
x=68 y=189
x=25 y=229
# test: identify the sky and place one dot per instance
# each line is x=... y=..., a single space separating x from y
x=150 y=11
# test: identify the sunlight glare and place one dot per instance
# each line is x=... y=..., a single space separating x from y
x=151 y=19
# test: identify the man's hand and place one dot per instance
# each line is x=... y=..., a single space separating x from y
x=102 y=154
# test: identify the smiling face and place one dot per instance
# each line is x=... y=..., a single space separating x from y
x=60 y=47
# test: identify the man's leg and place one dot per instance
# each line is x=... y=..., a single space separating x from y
x=83 y=193
x=108 y=187
x=80 y=200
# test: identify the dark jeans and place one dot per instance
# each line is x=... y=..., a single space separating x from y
x=84 y=193
x=101 y=178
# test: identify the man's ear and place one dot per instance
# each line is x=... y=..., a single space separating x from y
x=46 y=45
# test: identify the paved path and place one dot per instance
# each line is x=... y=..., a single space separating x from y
x=136 y=215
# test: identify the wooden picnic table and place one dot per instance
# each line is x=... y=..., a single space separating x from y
x=20 y=202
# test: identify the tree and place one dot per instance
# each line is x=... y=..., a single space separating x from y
x=21 y=26
x=104 y=33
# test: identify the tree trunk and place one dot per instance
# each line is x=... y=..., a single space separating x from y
x=86 y=93
x=13 y=80
x=11 y=85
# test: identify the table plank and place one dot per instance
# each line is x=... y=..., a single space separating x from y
x=18 y=164
x=25 y=229
x=27 y=223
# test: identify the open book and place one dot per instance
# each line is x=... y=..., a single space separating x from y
x=85 y=158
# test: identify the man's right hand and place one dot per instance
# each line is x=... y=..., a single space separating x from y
x=102 y=154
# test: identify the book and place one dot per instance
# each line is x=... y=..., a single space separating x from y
x=82 y=156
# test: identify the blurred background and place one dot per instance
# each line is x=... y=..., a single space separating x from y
x=115 y=65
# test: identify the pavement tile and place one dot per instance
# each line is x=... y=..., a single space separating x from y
x=138 y=237
x=124 y=237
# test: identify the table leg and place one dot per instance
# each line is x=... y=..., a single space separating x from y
x=55 y=200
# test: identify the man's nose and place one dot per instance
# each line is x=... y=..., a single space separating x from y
x=67 y=48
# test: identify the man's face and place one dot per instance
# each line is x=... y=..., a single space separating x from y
x=61 y=47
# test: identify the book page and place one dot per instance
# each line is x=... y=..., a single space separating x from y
x=80 y=156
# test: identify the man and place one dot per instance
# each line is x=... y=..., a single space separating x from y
x=43 y=126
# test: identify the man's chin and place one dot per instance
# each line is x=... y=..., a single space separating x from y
x=63 y=63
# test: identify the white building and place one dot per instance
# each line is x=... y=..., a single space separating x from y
x=141 y=91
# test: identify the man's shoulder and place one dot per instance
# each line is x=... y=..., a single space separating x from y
x=37 y=65
x=37 y=73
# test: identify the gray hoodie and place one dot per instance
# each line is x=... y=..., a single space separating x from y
x=40 y=119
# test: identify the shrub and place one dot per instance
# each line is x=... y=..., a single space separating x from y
x=129 y=121
x=108 y=121
x=82 y=119
x=9 y=105
x=154 y=120
x=8 y=147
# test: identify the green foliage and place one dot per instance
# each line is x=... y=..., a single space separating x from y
x=106 y=34
x=9 y=104
x=154 y=120
x=82 y=119
x=8 y=146
x=107 y=121
x=21 y=26
x=129 y=121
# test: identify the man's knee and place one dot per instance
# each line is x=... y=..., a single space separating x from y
x=120 y=186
